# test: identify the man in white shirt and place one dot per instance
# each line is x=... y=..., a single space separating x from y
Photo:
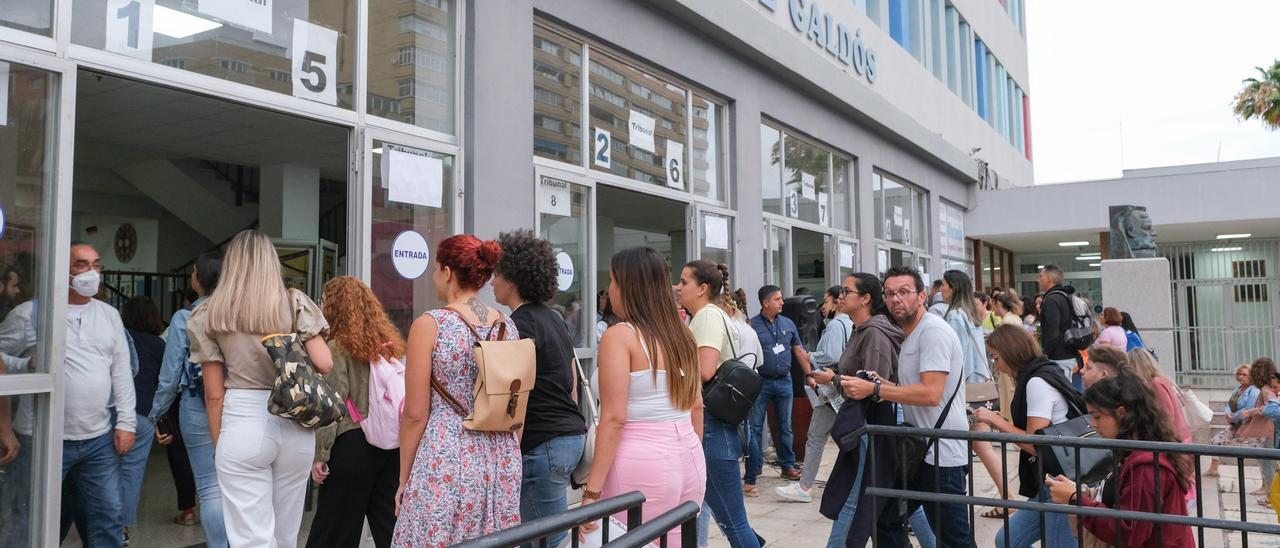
x=95 y=370
x=930 y=376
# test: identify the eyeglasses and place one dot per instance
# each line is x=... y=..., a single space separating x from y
x=900 y=295
x=846 y=291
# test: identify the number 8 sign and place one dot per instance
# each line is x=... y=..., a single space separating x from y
x=315 y=58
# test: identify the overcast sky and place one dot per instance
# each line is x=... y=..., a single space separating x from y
x=1144 y=83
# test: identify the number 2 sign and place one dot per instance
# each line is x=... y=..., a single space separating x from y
x=315 y=60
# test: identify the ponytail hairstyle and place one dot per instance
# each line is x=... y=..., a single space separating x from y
x=740 y=299
x=714 y=275
x=1144 y=418
x=870 y=285
x=834 y=292
x=471 y=259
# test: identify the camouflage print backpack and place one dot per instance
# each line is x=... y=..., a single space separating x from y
x=300 y=393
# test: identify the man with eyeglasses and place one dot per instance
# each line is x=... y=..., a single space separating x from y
x=930 y=388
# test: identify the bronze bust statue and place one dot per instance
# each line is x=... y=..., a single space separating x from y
x=1132 y=234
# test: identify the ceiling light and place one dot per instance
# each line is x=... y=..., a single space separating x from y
x=1072 y=244
x=1095 y=264
x=177 y=24
x=1233 y=236
x=1228 y=249
x=1088 y=257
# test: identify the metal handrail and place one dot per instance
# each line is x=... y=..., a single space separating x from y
x=684 y=516
x=540 y=529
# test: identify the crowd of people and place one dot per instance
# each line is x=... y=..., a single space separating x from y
x=891 y=351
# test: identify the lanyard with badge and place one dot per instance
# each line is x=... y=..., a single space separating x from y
x=778 y=347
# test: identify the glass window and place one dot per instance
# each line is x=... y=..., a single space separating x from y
x=557 y=92
x=20 y=480
x=808 y=179
x=566 y=229
x=841 y=173
x=34 y=16
x=28 y=144
x=877 y=190
x=627 y=101
x=779 y=249
x=951 y=222
x=847 y=254
x=715 y=244
x=405 y=291
x=413 y=53
x=243 y=42
x=707 y=116
x=898 y=207
x=771 y=168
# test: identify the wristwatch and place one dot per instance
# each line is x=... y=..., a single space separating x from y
x=875 y=395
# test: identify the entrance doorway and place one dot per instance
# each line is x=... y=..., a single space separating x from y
x=162 y=175
x=811 y=252
x=627 y=218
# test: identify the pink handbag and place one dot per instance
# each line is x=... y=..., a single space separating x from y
x=1258 y=426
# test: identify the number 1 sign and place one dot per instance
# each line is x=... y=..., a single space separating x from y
x=315 y=60
x=128 y=28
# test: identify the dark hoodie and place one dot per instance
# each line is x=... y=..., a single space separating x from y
x=1055 y=319
x=1042 y=368
x=1137 y=485
x=874 y=347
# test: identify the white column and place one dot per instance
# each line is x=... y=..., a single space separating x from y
x=289 y=202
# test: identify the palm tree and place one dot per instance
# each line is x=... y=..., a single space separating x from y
x=1261 y=97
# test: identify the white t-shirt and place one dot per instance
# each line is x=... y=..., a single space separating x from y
x=934 y=346
x=1045 y=402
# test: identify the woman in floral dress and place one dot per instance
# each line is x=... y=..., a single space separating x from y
x=455 y=484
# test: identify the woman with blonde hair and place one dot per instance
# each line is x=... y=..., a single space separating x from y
x=357 y=480
x=648 y=439
x=1144 y=366
x=263 y=459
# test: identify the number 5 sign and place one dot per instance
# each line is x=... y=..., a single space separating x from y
x=315 y=60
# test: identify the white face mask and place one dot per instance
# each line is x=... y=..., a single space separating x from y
x=86 y=283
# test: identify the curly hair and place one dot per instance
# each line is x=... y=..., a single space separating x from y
x=1144 y=418
x=529 y=263
x=1260 y=372
x=357 y=321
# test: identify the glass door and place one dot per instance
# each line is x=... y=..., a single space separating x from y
x=36 y=104
x=715 y=238
x=564 y=213
x=846 y=259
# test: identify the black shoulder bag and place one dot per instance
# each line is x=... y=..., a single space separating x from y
x=732 y=392
x=1094 y=463
x=914 y=448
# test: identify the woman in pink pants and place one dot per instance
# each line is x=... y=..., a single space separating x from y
x=650 y=432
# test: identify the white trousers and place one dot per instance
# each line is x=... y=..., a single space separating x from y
x=263 y=462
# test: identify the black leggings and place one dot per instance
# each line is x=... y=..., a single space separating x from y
x=362 y=484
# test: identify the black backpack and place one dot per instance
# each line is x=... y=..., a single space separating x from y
x=732 y=392
x=1080 y=334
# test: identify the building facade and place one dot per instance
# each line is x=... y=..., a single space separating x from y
x=360 y=133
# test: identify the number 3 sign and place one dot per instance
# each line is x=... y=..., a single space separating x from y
x=315 y=59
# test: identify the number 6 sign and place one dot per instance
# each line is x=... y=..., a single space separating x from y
x=315 y=59
x=674 y=164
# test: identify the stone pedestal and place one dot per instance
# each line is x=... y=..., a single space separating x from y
x=1141 y=288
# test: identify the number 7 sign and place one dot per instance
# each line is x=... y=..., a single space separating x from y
x=315 y=60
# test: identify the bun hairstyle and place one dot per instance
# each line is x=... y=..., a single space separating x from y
x=740 y=299
x=471 y=259
x=714 y=275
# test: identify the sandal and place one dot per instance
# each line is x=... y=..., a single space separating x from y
x=998 y=513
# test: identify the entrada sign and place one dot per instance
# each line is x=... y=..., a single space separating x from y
x=816 y=25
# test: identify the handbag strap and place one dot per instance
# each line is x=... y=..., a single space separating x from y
x=448 y=398
x=947 y=410
x=437 y=386
x=728 y=332
x=586 y=389
x=500 y=323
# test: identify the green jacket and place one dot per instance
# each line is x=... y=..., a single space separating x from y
x=350 y=379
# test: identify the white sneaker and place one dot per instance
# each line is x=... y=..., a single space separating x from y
x=794 y=492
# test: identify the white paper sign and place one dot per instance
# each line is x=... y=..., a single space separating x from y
x=927 y=282
x=822 y=208
x=846 y=255
x=250 y=14
x=807 y=186
x=564 y=271
x=897 y=215
x=4 y=93
x=414 y=178
x=129 y=27
x=410 y=255
x=603 y=148
x=555 y=197
x=674 y=164
x=315 y=62
x=717 y=231
x=641 y=131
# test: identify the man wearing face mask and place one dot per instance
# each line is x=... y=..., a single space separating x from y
x=95 y=370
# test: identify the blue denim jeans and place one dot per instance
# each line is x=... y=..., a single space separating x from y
x=724 y=493
x=949 y=523
x=15 y=497
x=194 y=423
x=543 y=489
x=95 y=468
x=1024 y=527
x=779 y=393
x=840 y=529
x=132 y=467
x=920 y=526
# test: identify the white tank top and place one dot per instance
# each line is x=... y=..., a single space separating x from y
x=648 y=398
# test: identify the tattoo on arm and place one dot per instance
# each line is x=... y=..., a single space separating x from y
x=479 y=309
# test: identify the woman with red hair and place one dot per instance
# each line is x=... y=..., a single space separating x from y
x=455 y=484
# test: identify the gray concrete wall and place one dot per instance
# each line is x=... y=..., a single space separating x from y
x=692 y=53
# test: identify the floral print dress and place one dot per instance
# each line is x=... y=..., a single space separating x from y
x=464 y=484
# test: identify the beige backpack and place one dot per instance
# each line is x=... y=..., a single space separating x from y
x=505 y=374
